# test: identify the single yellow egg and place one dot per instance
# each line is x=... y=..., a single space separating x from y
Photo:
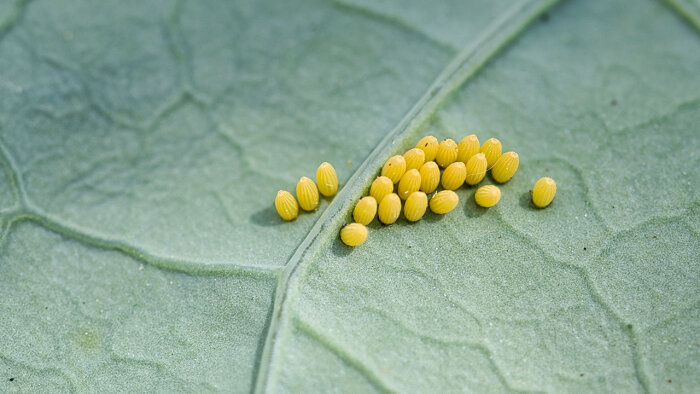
x=327 y=179
x=307 y=194
x=476 y=169
x=468 y=147
x=353 y=234
x=415 y=206
x=286 y=205
x=429 y=177
x=389 y=209
x=429 y=146
x=410 y=182
x=543 y=192
x=381 y=187
x=491 y=150
x=444 y=201
x=365 y=210
x=454 y=176
x=394 y=168
x=414 y=158
x=505 y=167
x=447 y=153
x=487 y=196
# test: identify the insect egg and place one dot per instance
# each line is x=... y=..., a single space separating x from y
x=476 y=169
x=353 y=234
x=394 y=168
x=380 y=188
x=286 y=205
x=468 y=147
x=307 y=194
x=446 y=153
x=444 y=201
x=365 y=210
x=429 y=177
x=491 y=150
x=429 y=146
x=410 y=182
x=454 y=176
x=414 y=158
x=487 y=196
x=327 y=179
x=389 y=209
x=505 y=167
x=415 y=206
x=543 y=192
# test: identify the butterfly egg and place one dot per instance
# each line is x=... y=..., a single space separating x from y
x=444 y=201
x=410 y=182
x=487 y=196
x=353 y=234
x=543 y=192
x=454 y=176
x=307 y=194
x=414 y=158
x=389 y=209
x=505 y=167
x=327 y=179
x=468 y=147
x=365 y=210
x=492 y=150
x=429 y=177
x=394 y=168
x=415 y=206
x=381 y=187
x=447 y=153
x=476 y=169
x=429 y=146
x=286 y=205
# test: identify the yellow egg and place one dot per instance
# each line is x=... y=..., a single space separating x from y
x=414 y=158
x=487 y=196
x=468 y=147
x=389 y=209
x=543 y=192
x=491 y=150
x=410 y=182
x=447 y=153
x=286 y=205
x=380 y=188
x=327 y=179
x=454 y=176
x=505 y=167
x=307 y=194
x=415 y=206
x=353 y=234
x=476 y=169
x=365 y=210
x=394 y=168
x=429 y=177
x=429 y=146
x=444 y=201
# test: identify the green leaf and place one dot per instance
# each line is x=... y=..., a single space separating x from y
x=142 y=143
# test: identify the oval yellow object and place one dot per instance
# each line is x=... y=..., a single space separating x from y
x=476 y=169
x=454 y=176
x=365 y=210
x=429 y=177
x=353 y=234
x=429 y=146
x=444 y=201
x=410 y=182
x=446 y=153
x=389 y=209
x=381 y=187
x=543 y=192
x=492 y=151
x=286 y=205
x=505 y=167
x=487 y=196
x=468 y=147
x=414 y=158
x=415 y=206
x=394 y=168
x=307 y=194
x=327 y=179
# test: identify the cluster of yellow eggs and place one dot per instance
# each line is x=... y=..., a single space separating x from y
x=307 y=192
x=416 y=175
